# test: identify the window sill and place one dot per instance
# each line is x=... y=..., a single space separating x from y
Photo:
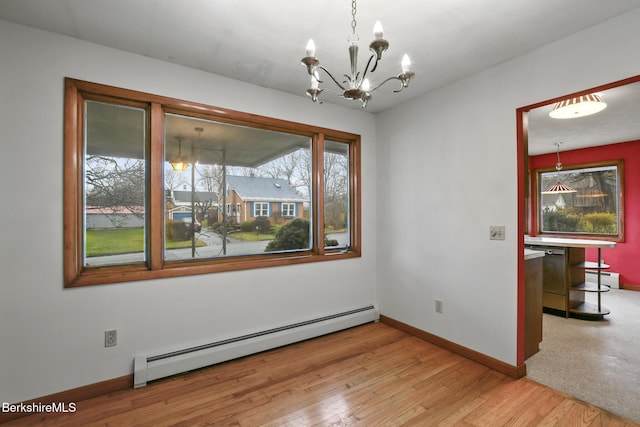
x=130 y=273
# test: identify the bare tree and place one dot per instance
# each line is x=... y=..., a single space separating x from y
x=336 y=188
x=336 y=176
x=173 y=179
x=303 y=178
x=294 y=167
x=285 y=167
x=115 y=186
x=210 y=177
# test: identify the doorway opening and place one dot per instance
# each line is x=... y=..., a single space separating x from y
x=615 y=135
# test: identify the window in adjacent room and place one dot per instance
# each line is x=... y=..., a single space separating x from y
x=594 y=209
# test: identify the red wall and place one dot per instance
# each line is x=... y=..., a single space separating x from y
x=625 y=257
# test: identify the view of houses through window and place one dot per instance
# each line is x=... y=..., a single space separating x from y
x=262 y=177
x=158 y=187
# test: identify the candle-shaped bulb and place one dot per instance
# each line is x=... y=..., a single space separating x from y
x=311 y=48
x=406 y=64
x=377 y=30
x=366 y=85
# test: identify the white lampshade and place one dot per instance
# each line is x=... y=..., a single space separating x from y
x=579 y=106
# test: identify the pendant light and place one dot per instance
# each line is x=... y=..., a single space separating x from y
x=558 y=187
x=579 y=106
x=179 y=165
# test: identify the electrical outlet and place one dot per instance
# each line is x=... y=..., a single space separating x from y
x=438 y=306
x=110 y=338
x=496 y=232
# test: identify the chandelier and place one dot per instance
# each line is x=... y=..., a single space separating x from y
x=357 y=85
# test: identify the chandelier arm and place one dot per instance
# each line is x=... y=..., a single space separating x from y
x=388 y=79
x=374 y=65
x=402 y=86
x=332 y=78
x=366 y=69
x=334 y=92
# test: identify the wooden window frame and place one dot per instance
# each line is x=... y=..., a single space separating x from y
x=155 y=266
x=608 y=237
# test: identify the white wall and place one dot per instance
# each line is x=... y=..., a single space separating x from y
x=448 y=168
x=51 y=339
x=453 y=152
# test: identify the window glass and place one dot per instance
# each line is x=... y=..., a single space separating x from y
x=156 y=187
x=288 y=209
x=114 y=184
x=593 y=208
x=336 y=194
x=250 y=172
x=260 y=209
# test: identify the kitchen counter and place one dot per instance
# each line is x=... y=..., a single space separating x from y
x=564 y=281
x=568 y=242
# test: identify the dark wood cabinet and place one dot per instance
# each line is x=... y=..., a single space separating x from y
x=533 y=306
x=564 y=285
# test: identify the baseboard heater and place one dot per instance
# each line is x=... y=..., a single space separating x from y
x=608 y=278
x=152 y=367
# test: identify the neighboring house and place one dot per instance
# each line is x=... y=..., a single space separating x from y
x=248 y=198
x=179 y=204
x=114 y=217
x=553 y=202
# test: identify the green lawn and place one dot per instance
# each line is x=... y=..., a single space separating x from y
x=122 y=241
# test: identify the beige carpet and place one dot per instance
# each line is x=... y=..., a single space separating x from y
x=595 y=361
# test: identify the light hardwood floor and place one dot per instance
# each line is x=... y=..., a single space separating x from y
x=371 y=375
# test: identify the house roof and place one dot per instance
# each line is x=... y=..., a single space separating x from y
x=185 y=196
x=253 y=188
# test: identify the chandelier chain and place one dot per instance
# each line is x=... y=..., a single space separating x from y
x=353 y=16
x=558 y=165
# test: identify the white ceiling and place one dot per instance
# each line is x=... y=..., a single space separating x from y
x=262 y=41
x=619 y=122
